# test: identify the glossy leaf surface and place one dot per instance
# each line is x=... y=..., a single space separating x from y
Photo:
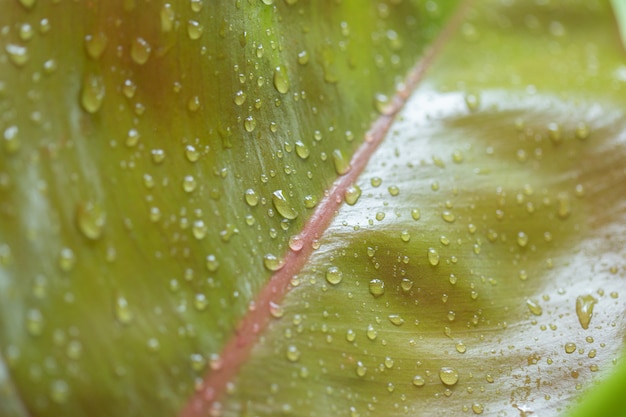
x=156 y=166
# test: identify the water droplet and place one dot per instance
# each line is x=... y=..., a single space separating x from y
x=461 y=348
x=393 y=190
x=67 y=259
x=472 y=101
x=122 y=311
x=350 y=335
x=582 y=131
x=293 y=354
x=239 y=98
x=283 y=207
x=419 y=381
x=563 y=205
x=95 y=45
x=303 y=57
x=198 y=362
x=194 y=29
x=249 y=124
x=271 y=262
x=334 y=275
x=405 y=236
x=296 y=243
x=251 y=197
x=200 y=302
x=396 y=319
x=140 y=51
x=377 y=287
x=11 y=139
x=584 y=309
x=90 y=218
x=448 y=216
x=416 y=214
x=281 y=80
x=167 y=17
x=522 y=239
x=570 y=347
x=34 y=322
x=276 y=310
x=17 y=53
x=478 y=408
x=189 y=183
x=132 y=138
x=361 y=370
x=406 y=284
x=352 y=195
x=534 y=307
x=433 y=256
x=371 y=332
x=342 y=165
x=302 y=150
x=449 y=376
x=59 y=391
x=199 y=229
x=153 y=344
x=554 y=131
x=212 y=263
x=92 y=93
x=376 y=181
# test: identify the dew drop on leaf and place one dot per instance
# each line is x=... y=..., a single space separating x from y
x=67 y=259
x=352 y=194
x=211 y=263
x=419 y=381
x=433 y=256
x=95 y=45
x=293 y=354
x=251 y=197
x=90 y=218
x=59 y=391
x=396 y=319
x=11 y=139
x=92 y=93
x=302 y=150
x=283 y=207
x=140 y=51
x=271 y=262
x=334 y=275
x=34 y=322
x=570 y=347
x=361 y=370
x=377 y=287
x=281 y=81
x=194 y=30
x=477 y=408
x=534 y=307
x=342 y=165
x=122 y=311
x=449 y=376
x=17 y=53
x=584 y=309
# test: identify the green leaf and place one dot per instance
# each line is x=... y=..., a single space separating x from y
x=195 y=218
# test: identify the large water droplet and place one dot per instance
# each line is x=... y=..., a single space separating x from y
x=449 y=376
x=352 y=194
x=334 y=275
x=281 y=80
x=584 y=309
x=271 y=262
x=283 y=207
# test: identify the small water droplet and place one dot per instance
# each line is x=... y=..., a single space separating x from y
x=212 y=263
x=584 y=309
x=189 y=183
x=582 y=131
x=406 y=284
x=17 y=53
x=334 y=275
x=563 y=205
x=433 y=256
x=419 y=381
x=281 y=80
x=140 y=51
x=28 y=3
x=376 y=182
x=283 y=207
x=167 y=17
x=199 y=229
x=353 y=192
x=393 y=190
x=194 y=29
x=448 y=216
x=90 y=218
x=200 y=302
x=303 y=57
x=449 y=376
x=302 y=150
x=92 y=93
x=272 y=263
x=555 y=134
x=122 y=311
x=522 y=239
x=95 y=45
x=342 y=165
x=478 y=408
x=377 y=287
x=472 y=101
x=396 y=319
x=239 y=98
x=293 y=354
x=249 y=124
x=11 y=139
x=251 y=197
x=67 y=259
x=371 y=332
x=34 y=322
x=350 y=335
x=361 y=370
x=59 y=391
x=570 y=347
x=276 y=310
x=534 y=307
x=197 y=361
